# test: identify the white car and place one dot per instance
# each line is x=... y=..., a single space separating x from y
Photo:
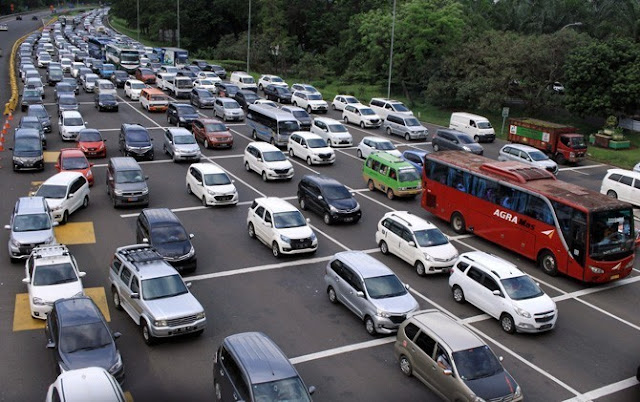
x=89 y=82
x=311 y=148
x=341 y=101
x=361 y=115
x=268 y=161
x=132 y=89
x=416 y=241
x=528 y=155
x=334 y=132
x=208 y=75
x=304 y=87
x=271 y=79
x=4 y=27
x=311 y=101
x=211 y=184
x=65 y=193
x=75 y=67
x=501 y=290
x=383 y=107
x=86 y=384
x=70 y=122
x=204 y=83
x=65 y=63
x=280 y=226
x=51 y=273
x=376 y=144
x=44 y=59
x=35 y=83
x=636 y=168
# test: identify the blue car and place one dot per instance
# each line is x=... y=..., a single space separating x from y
x=415 y=157
x=107 y=70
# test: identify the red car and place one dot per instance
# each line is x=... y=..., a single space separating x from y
x=212 y=133
x=73 y=159
x=145 y=75
x=91 y=143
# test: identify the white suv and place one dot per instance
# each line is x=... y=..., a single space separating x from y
x=334 y=132
x=280 y=225
x=417 y=241
x=340 y=101
x=501 y=290
x=311 y=101
x=385 y=106
x=311 y=148
x=361 y=115
x=372 y=144
x=271 y=79
x=51 y=273
x=132 y=89
x=70 y=123
x=65 y=193
x=268 y=161
x=211 y=184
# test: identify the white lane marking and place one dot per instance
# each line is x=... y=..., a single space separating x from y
x=582 y=167
x=607 y=286
x=341 y=150
x=315 y=228
x=605 y=390
x=342 y=349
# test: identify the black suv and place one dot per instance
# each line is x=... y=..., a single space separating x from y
x=329 y=198
x=202 y=98
x=41 y=112
x=226 y=89
x=245 y=98
x=106 y=102
x=181 y=115
x=135 y=141
x=119 y=77
x=163 y=230
x=277 y=93
x=78 y=334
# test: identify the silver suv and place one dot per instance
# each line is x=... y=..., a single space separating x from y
x=180 y=144
x=152 y=292
x=452 y=360
x=30 y=226
x=370 y=290
x=529 y=155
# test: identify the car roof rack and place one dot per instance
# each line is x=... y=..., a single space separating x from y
x=50 y=251
x=141 y=254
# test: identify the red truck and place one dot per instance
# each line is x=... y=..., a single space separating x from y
x=560 y=142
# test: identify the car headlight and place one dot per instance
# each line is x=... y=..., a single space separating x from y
x=523 y=313
x=211 y=192
x=160 y=323
x=38 y=301
x=50 y=240
x=383 y=314
x=313 y=236
x=118 y=192
x=333 y=209
x=427 y=257
x=191 y=252
x=80 y=293
x=117 y=365
x=200 y=315
x=181 y=119
x=518 y=392
x=466 y=148
x=285 y=239
x=145 y=191
x=15 y=242
x=596 y=270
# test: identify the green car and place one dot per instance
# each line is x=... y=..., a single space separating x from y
x=392 y=175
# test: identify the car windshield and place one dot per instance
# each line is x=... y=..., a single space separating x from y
x=412 y=122
x=64 y=87
x=216 y=179
x=184 y=139
x=56 y=73
x=73 y=121
x=365 y=111
x=273 y=156
x=162 y=287
x=231 y=104
x=288 y=126
x=484 y=124
x=430 y=238
x=538 y=156
x=384 y=145
x=108 y=97
x=158 y=98
x=301 y=114
x=316 y=143
x=465 y=140
x=383 y=287
x=282 y=90
x=138 y=136
x=54 y=274
x=90 y=336
x=336 y=193
x=315 y=97
x=138 y=85
x=89 y=136
x=521 y=288
x=337 y=128
x=168 y=234
x=578 y=142
x=276 y=79
x=309 y=88
x=75 y=162
x=405 y=175
x=30 y=93
x=67 y=100
x=479 y=362
x=184 y=83
x=31 y=222
x=186 y=109
x=31 y=124
x=171 y=69
x=28 y=144
x=121 y=74
x=291 y=219
x=351 y=99
x=215 y=127
x=52 y=191
x=129 y=176
x=206 y=82
x=289 y=389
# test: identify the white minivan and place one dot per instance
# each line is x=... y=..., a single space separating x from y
x=65 y=192
x=476 y=126
x=623 y=185
x=244 y=81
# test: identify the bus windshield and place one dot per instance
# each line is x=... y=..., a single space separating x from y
x=611 y=233
x=129 y=57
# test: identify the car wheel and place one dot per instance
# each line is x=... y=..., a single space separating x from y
x=420 y=269
x=548 y=263
x=405 y=366
x=333 y=107
x=384 y=249
x=309 y=161
x=275 y=249
x=390 y=194
x=251 y=230
x=458 y=294
x=507 y=324
x=370 y=185
x=303 y=204
x=309 y=109
x=407 y=137
x=206 y=144
x=146 y=334
x=85 y=202
x=436 y=147
x=65 y=218
x=116 y=298
x=164 y=149
x=169 y=120
x=204 y=201
x=264 y=176
x=333 y=298
x=247 y=167
x=612 y=194
x=291 y=152
x=327 y=218
x=457 y=223
x=189 y=189
x=279 y=100
x=254 y=135
x=362 y=124
x=359 y=154
x=346 y=120
x=295 y=103
x=388 y=130
x=369 y=325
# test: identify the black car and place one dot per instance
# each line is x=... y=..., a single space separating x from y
x=134 y=140
x=34 y=123
x=301 y=115
x=245 y=98
x=34 y=18
x=181 y=115
x=119 y=77
x=67 y=102
x=30 y=97
x=79 y=337
x=277 y=93
x=41 y=113
x=220 y=72
x=106 y=102
x=202 y=64
x=226 y=89
x=54 y=75
x=162 y=229
x=329 y=198
x=202 y=98
x=19 y=17
x=74 y=82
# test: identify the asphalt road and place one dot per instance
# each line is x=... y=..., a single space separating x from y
x=592 y=354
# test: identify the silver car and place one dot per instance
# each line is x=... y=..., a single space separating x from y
x=31 y=225
x=180 y=144
x=370 y=290
x=153 y=294
x=529 y=155
x=228 y=109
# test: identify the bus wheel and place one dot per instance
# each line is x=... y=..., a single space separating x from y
x=457 y=223
x=548 y=263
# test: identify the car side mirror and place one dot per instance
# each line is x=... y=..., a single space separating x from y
x=308 y=220
x=57 y=166
x=497 y=293
x=32 y=193
x=312 y=389
x=191 y=235
x=51 y=345
x=55 y=223
x=26 y=281
x=233 y=181
x=406 y=286
x=105 y=140
x=447 y=372
x=188 y=284
x=320 y=197
x=501 y=358
x=82 y=274
x=146 y=177
x=116 y=335
x=412 y=243
x=259 y=159
x=135 y=295
x=72 y=195
x=360 y=293
x=151 y=139
x=91 y=164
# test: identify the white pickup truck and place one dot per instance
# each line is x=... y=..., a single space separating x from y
x=163 y=79
x=179 y=87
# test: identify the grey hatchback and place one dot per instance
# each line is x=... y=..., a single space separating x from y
x=452 y=140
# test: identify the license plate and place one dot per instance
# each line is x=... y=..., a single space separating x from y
x=545 y=326
x=348 y=219
x=132 y=199
x=614 y=277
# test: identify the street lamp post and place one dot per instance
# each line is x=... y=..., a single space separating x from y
x=248 y=36
x=393 y=28
x=178 y=32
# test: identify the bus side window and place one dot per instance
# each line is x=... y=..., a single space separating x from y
x=438 y=172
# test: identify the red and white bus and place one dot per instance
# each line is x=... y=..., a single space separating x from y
x=564 y=227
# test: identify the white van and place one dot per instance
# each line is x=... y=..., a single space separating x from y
x=244 y=81
x=476 y=126
x=623 y=185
